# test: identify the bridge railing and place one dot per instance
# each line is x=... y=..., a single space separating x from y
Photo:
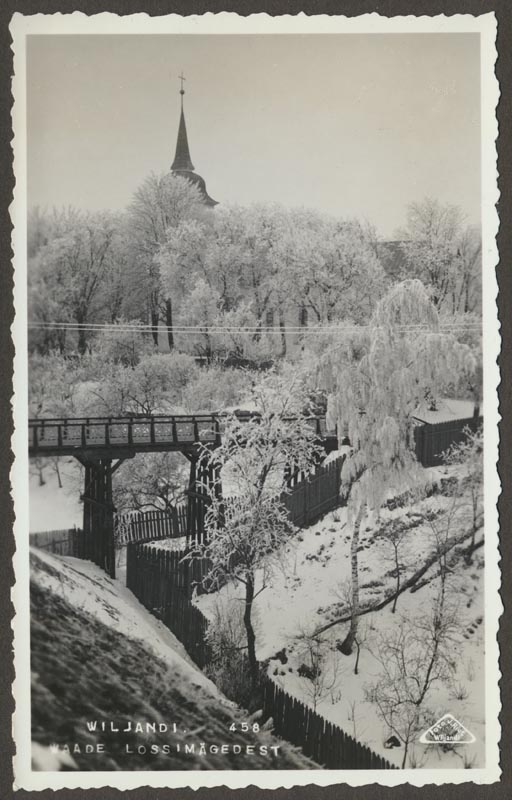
x=106 y=431
x=84 y=432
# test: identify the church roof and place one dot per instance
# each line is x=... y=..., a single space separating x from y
x=196 y=179
x=182 y=164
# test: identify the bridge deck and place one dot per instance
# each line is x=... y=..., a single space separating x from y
x=121 y=435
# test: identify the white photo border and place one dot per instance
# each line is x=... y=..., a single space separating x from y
x=230 y=23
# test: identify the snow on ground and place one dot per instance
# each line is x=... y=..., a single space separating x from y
x=52 y=508
x=174 y=545
x=89 y=589
x=308 y=590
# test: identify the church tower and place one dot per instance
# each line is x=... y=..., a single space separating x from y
x=182 y=164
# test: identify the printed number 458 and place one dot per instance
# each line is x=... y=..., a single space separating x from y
x=244 y=727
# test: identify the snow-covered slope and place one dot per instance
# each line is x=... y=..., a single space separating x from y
x=308 y=589
x=98 y=656
x=53 y=508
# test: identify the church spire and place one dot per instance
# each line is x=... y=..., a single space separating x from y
x=182 y=160
x=182 y=164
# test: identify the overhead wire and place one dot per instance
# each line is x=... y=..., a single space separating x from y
x=250 y=330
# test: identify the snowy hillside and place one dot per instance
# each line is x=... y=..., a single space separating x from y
x=54 y=508
x=309 y=590
x=98 y=655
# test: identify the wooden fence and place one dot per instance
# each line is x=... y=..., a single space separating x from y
x=320 y=740
x=164 y=583
x=66 y=542
x=161 y=581
x=307 y=501
x=431 y=440
x=315 y=495
x=147 y=526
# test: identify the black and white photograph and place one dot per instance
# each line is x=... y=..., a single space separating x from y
x=256 y=415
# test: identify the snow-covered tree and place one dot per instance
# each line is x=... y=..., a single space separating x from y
x=120 y=344
x=155 y=385
x=70 y=270
x=160 y=204
x=200 y=308
x=319 y=669
x=54 y=386
x=150 y=481
x=374 y=401
x=444 y=254
x=415 y=656
x=244 y=536
x=216 y=388
x=468 y=457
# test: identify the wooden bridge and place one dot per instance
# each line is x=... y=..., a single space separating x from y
x=101 y=444
x=123 y=437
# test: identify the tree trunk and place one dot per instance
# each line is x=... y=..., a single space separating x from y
x=251 y=638
x=397 y=568
x=57 y=472
x=168 y=322
x=61 y=338
x=40 y=471
x=155 y=318
x=283 y=333
x=347 y=645
x=358 y=649
x=82 y=341
x=404 y=759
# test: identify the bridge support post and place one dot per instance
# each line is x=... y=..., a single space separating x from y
x=203 y=477
x=99 y=514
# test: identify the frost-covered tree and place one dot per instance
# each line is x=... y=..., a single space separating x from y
x=160 y=204
x=121 y=343
x=231 y=339
x=54 y=386
x=200 y=308
x=467 y=456
x=443 y=253
x=150 y=481
x=414 y=656
x=244 y=536
x=374 y=401
x=155 y=385
x=319 y=670
x=71 y=269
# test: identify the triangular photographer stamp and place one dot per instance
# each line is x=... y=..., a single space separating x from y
x=447 y=730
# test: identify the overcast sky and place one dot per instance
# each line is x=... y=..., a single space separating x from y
x=355 y=125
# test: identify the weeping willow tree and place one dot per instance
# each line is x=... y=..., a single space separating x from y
x=406 y=361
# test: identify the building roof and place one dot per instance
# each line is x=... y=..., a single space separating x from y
x=196 y=179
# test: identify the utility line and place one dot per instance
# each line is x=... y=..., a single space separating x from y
x=202 y=329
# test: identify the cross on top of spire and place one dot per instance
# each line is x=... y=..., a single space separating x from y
x=182 y=78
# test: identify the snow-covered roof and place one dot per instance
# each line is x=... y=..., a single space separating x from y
x=447 y=410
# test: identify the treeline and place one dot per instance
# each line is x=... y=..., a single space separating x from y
x=169 y=261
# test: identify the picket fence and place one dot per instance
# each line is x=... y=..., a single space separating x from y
x=66 y=542
x=148 y=526
x=431 y=440
x=307 y=501
x=320 y=740
x=162 y=581
x=315 y=495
